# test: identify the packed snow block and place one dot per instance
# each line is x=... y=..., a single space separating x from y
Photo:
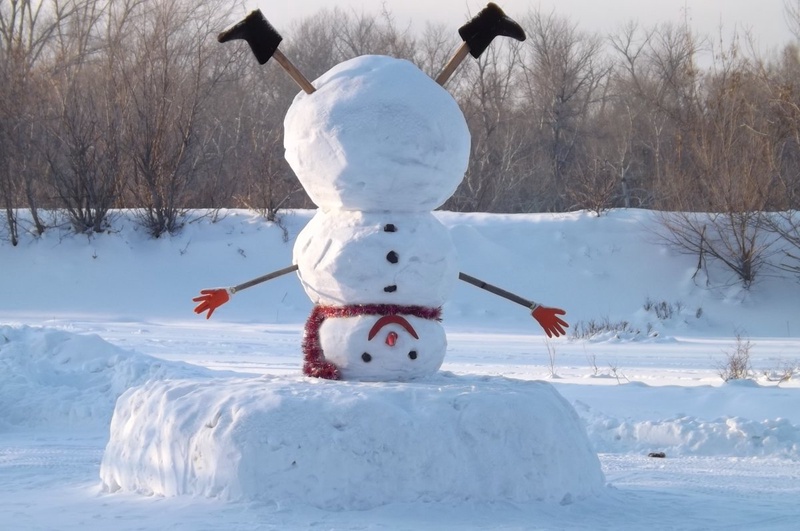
x=351 y=445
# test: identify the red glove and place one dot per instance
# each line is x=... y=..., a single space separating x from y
x=210 y=300
x=548 y=318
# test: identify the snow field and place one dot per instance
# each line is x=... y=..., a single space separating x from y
x=731 y=449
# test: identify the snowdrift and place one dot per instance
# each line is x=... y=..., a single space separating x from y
x=733 y=421
x=58 y=380
x=349 y=445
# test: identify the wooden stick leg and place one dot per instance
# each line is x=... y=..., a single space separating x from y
x=451 y=65
x=292 y=70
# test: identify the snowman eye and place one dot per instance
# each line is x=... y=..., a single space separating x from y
x=366 y=357
x=412 y=354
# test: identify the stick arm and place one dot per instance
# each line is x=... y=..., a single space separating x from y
x=547 y=317
x=513 y=297
x=211 y=299
x=263 y=278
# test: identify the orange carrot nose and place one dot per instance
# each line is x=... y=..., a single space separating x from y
x=391 y=338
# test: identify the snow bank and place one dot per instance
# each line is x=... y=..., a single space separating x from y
x=597 y=269
x=54 y=379
x=733 y=436
x=690 y=435
x=348 y=445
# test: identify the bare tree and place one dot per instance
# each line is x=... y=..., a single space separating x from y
x=791 y=9
x=786 y=225
x=83 y=145
x=266 y=183
x=434 y=47
x=563 y=72
x=363 y=33
x=27 y=30
x=497 y=168
x=313 y=45
x=781 y=82
x=168 y=77
x=731 y=164
x=655 y=85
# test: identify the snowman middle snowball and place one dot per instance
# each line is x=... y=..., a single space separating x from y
x=377 y=147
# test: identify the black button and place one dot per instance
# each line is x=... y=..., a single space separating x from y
x=393 y=257
x=389 y=227
x=390 y=289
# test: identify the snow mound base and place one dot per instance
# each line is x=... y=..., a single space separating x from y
x=56 y=379
x=351 y=445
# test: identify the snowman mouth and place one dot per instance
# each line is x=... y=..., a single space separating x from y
x=388 y=320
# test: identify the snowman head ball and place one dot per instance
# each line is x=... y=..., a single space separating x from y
x=378 y=134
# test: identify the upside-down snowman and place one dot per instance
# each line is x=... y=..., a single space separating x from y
x=377 y=145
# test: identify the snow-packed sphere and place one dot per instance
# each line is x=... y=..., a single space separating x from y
x=387 y=348
x=377 y=134
x=356 y=257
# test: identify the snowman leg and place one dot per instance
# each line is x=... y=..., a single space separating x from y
x=477 y=34
x=263 y=40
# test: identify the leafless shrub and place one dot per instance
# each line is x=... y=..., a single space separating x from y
x=784 y=372
x=736 y=365
x=592 y=359
x=737 y=240
x=594 y=187
x=617 y=374
x=551 y=359
x=591 y=328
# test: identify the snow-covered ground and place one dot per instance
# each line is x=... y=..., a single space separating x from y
x=82 y=319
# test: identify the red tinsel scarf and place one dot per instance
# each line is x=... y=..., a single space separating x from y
x=315 y=363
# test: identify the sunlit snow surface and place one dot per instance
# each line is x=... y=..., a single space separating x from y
x=732 y=457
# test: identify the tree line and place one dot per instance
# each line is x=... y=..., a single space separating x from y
x=133 y=104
